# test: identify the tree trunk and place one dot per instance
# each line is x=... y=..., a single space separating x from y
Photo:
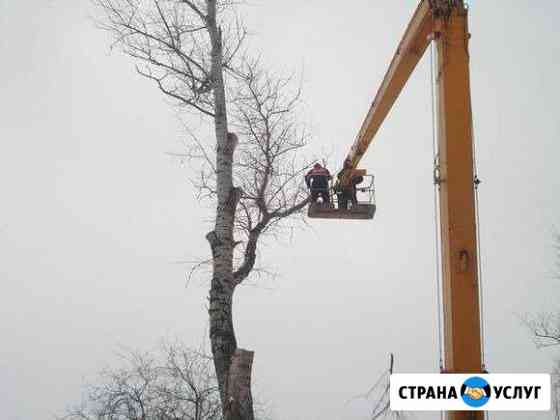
x=239 y=404
x=222 y=334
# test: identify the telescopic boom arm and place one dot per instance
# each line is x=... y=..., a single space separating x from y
x=446 y=23
x=409 y=52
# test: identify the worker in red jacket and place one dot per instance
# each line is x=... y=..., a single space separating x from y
x=317 y=180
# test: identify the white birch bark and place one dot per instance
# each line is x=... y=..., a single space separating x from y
x=222 y=333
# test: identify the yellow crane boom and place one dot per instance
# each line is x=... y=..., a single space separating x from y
x=409 y=52
x=446 y=23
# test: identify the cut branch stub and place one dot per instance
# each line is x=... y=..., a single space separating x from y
x=231 y=144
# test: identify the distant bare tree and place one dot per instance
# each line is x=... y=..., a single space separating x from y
x=545 y=329
x=176 y=383
x=193 y=50
x=378 y=395
x=545 y=326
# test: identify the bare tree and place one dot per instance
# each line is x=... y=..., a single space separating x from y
x=378 y=394
x=193 y=50
x=172 y=383
x=175 y=383
x=545 y=330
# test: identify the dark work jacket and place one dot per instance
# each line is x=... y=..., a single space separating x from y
x=318 y=178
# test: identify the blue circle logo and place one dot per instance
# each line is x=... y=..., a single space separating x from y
x=475 y=392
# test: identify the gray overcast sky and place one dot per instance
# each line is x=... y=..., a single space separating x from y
x=95 y=217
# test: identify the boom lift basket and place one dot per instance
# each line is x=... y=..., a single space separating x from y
x=365 y=209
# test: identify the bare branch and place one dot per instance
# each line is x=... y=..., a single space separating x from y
x=193 y=51
x=195 y=9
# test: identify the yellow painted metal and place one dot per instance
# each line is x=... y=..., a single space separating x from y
x=457 y=201
x=410 y=51
x=446 y=21
x=359 y=172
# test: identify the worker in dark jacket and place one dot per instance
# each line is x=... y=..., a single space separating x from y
x=348 y=192
x=317 y=180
